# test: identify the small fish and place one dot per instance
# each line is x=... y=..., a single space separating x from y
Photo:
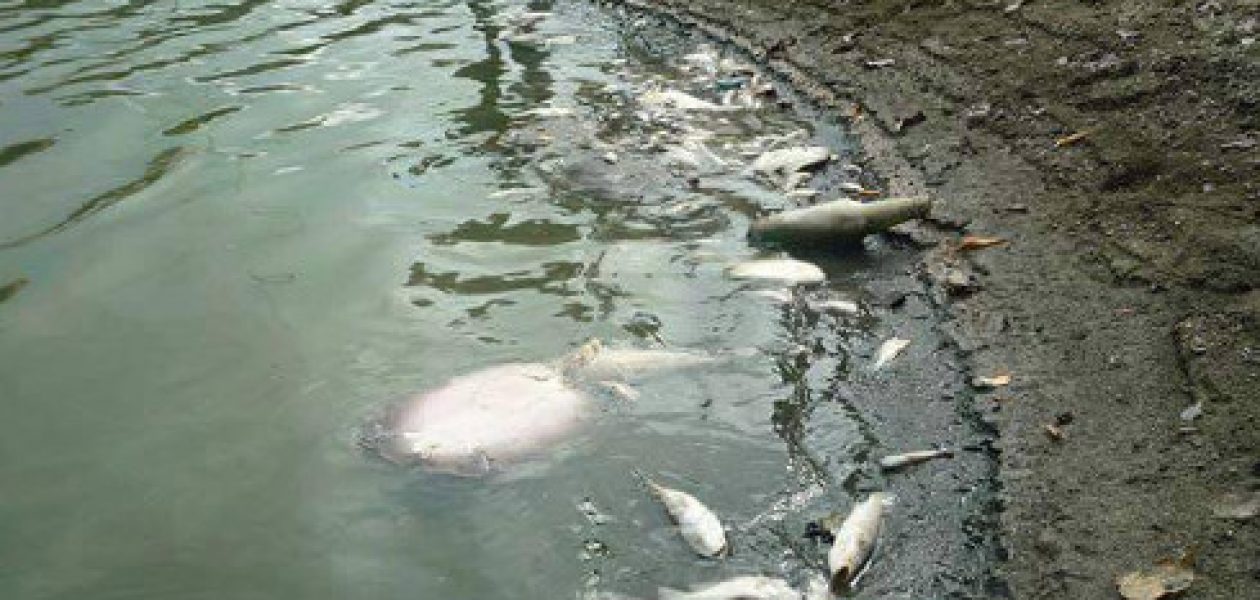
x=747 y=587
x=790 y=160
x=847 y=307
x=785 y=270
x=897 y=461
x=855 y=539
x=698 y=525
x=888 y=351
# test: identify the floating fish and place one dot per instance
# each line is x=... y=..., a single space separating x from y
x=784 y=270
x=838 y=220
x=888 y=351
x=747 y=587
x=855 y=539
x=897 y=461
x=698 y=525
x=477 y=422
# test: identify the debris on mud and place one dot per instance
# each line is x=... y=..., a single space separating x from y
x=1237 y=506
x=1166 y=579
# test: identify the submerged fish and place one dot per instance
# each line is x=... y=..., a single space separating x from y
x=785 y=270
x=888 y=351
x=698 y=525
x=594 y=361
x=747 y=587
x=897 y=461
x=855 y=539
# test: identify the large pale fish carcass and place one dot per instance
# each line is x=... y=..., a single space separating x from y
x=855 y=539
x=476 y=421
x=698 y=525
x=747 y=587
x=837 y=221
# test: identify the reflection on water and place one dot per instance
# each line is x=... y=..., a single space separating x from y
x=234 y=231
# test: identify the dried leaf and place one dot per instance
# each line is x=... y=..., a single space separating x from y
x=992 y=381
x=1054 y=432
x=1165 y=579
x=1068 y=140
x=975 y=242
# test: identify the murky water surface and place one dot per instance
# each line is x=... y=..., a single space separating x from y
x=237 y=230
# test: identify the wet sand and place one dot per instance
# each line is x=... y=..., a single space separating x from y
x=1114 y=147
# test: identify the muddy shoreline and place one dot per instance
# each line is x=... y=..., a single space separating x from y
x=1115 y=148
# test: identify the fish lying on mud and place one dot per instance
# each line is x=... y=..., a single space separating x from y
x=855 y=539
x=747 y=587
x=837 y=221
x=888 y=351
x=502 y=414
x=897 y=461
x=698 y=525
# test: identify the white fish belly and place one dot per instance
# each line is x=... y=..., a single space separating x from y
x=499 y=413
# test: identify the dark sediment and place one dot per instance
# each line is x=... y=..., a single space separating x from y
x=1116 y=146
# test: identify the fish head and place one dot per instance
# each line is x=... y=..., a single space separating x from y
x=845 y=560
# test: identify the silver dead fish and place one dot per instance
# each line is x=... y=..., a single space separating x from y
x=698 y=525
x=855 y=539
x=897 y=461
x=888 y=351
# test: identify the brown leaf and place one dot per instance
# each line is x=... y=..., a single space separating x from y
x=1068 y=140
x=975 y=242
x=1165 y=579
x=992 y=381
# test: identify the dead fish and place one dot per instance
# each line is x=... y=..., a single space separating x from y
x=698 y=525
x=855 y=539
x=747 y=587
x=888 y=351
x=838 y=220
x=897 y=461
x=790 y=160
x=595 y=362
x=476 y=421
x=847 y=307
x=783 y=270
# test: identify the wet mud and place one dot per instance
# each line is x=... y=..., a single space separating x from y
x=1113 y=148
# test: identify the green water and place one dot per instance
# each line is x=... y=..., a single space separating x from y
x=247 y=227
